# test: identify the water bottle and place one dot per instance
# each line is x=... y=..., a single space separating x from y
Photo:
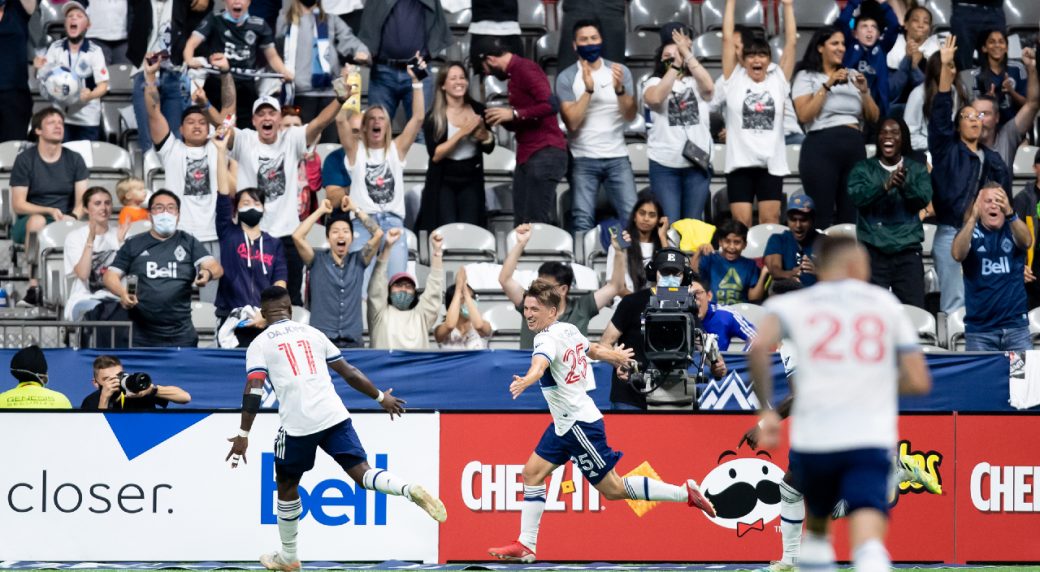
x=4 y=303
x=354 y=80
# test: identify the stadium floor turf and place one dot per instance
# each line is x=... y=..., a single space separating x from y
x=547 y=566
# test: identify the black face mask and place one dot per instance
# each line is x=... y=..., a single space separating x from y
x=250 y=217
x=309 y=3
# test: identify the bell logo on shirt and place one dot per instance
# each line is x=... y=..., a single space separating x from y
x=153 y=270
x=1000 y=266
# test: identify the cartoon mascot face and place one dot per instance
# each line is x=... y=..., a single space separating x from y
x=745 y=491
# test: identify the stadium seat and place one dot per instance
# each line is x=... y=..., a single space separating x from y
x=758 y=236
x=1034 y=325
x=413 y=244
x=747 y=13
x=846 y=229
x=548 y=243
x=653 y=14
x=811 y=14
x=106 y=162
x=302 y=315
x=598 y=323
x=641 y=46
x=592 y=247
x=750 y=312
x=52 y=19
x=152 y=170
x=50 y=260
x=547 y=51
x=138 y=227
x=1023 y=167
x=459 y=21
x=1021 y=15
x=718 y=158
x=640 y=162
x=505 y=325
x=794 y=153
x=465 y=243
x=802 y=42
x=204 y=318
x=316 y=237
x=924 y=323
x=929 y=239
x=120 y=83
x=531 y=16
x=941 y=10
x=955 y=329
x=707 y=47
x=499 y=165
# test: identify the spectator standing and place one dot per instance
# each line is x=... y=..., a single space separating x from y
x=491 y=20
x=313 y=44
x=577 y=310
x=612 y=15
x=890 y=189
x=1027 y=207
x=755 y=91
x=14 y=77
x=87 y=62
x=1004 y=137
x=730 y=277
x=109 y=28
x=395 y=31
x=832 y=101
x=89 y=250
x=238 y=36
x=595 y=123
x=456 y=141
x=337 y=273
x=166 y=263
x=252 y=259
x=349 y=11
x=996 y=76
x=919 y=104
x=909 y=55
x=29 y=367
x=463 y=327
x=398 y=318
x=970 y=18
x=789 y=255
x=109 y=395
x=724 y=323
x=992 y=246
x=541 y=149
x=334 y=173
x=375 y=161
x=308 y=172
x=647 y=233
x=871 y=29
x=961 y=165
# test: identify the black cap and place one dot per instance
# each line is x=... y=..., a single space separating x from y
x=27 y=362
x=193 y=109
x=666 y=32
x=670 y=259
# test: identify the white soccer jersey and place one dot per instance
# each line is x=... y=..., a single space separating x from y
x=295 y=358
x=846 y=337
x=569 y=378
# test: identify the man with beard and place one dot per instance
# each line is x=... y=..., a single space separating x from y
x=790 y=253
x=541 y=149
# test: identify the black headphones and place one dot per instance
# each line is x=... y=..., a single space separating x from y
x=673 y=254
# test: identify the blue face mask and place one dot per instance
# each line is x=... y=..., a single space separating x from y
x=239 y=20
x=669 y=281
x=165 y=224
x=402 y=300
x=464 y=312
x=590 y=52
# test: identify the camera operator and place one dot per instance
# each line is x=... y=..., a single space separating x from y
x=120 y=391
x=671 y=270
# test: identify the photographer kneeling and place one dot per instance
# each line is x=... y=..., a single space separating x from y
x=677 y=325
x=123 y=391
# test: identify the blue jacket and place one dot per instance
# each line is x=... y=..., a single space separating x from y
x=955 y=168
x=872 y=62
x=727 y=325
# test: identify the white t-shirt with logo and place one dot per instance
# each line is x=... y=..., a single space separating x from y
x=107 y=20
x=272 y=170
x=754 y=119
x=602 y=133
x=191 y=173
x=377 y=180
x=295 y=358
x=569 y=379
x=104 y=252
x=87 y=62
x=682 y=116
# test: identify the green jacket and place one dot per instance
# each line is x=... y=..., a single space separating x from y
x=889 y=221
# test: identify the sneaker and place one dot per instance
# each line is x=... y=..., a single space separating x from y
x=33 y=296
x=514 y=551
x=697 y=499
x=275 y=561
x=777 y=566
x=431 y=504
x=914 y=469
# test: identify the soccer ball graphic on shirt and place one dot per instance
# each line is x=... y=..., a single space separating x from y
x=745 y=492
x=60 y=85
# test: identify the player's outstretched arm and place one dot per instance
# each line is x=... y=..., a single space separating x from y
x=914 y=378
x=250 y=406
x=361 y=384
x=618 y=356
x=538 y=366
x=761 y=361
x=751 y=436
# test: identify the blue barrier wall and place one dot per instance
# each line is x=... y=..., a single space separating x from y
x=460 y=381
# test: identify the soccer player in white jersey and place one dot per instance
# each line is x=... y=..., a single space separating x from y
x=856 y=351
x=296 y=358
x=559 y=365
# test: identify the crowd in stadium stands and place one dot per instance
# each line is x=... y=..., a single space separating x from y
x=893 y=128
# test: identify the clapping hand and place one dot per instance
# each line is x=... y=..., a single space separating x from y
x=618 y=75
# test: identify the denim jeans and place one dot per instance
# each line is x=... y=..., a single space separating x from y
x=682 y=192
x=390 y=86
x=951 y=280
x=1006 y=340
x=615 y=174
x=82 y=132
x=171 y=104
x=398 y=256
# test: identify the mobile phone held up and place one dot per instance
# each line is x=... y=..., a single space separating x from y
x=158 y=57
x=420 y=73
x=616 y=232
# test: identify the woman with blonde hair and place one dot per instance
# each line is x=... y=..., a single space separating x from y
x=456 y=139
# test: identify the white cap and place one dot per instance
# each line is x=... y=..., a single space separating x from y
x=73 y=5
x=266 y=100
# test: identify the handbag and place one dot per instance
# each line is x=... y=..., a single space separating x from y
x=691 y=151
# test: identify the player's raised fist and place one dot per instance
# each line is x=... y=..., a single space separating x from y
x=523 y=233
x=393 y=235
x=437 y=243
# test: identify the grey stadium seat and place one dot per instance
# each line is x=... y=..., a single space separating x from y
x=548 y=243
x=758 y=236
x=924 y=323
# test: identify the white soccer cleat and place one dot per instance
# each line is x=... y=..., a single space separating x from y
x=276 y=561
x=777 y=566
x=431 y=504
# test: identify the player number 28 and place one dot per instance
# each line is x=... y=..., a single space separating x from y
x=575 y=358
x=868 y=338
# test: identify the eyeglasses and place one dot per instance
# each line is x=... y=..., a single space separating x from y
x=699 y=293
x=159 y=209
x=980 y=115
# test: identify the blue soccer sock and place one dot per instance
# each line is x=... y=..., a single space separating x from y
x=647 y=489
x=531 y=515
x=288 y=526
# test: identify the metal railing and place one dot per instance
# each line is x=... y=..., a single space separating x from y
x=63 y=334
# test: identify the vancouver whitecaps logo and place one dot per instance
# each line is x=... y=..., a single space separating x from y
x=745 y=491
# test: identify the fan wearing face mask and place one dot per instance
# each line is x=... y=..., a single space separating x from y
x=253 y=259
x=399 y=318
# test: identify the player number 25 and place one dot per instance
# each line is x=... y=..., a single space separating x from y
x=575 y=358
x=868 y=337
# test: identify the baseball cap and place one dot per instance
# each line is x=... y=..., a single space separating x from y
x=266 y=100
x=402 y=276
x=74 y=5
x=801 y=202
x=666 y=32
x=670 y=259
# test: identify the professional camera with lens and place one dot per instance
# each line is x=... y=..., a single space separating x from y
x=135 y=382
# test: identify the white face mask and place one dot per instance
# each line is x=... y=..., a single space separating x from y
x=670 y=281
x=165 y=224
